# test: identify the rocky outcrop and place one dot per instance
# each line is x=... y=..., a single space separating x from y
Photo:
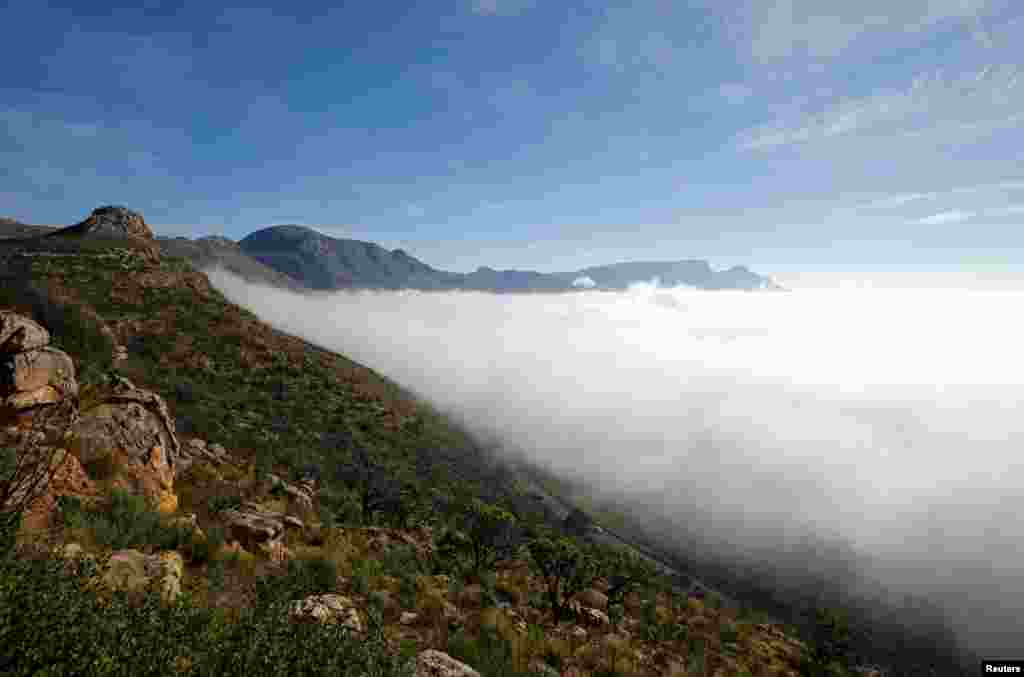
x=112 y=221
x=197 y=449
x=259 y=530
x=434 y=663
x=32 y=373
x=20 y=334
x=133 y=570
x=66 y=477
x=132 y=429
x=327 y=608
x=302 y=494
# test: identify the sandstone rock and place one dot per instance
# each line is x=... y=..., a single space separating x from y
x=127 y=417
x=33 y=369
x=219 y=452
x=71 y=551
x=472 y=595
x=594 y=599
x=408 y=618
x=302 y=494
x=257 y=532
x=594 y=617
x=189 y=523
x=539 y=667
x=327 y=608
x=579 y=633
x=133 y=570
x=434 y=663
x=32 y=398
x=112 y=221
x=67 y=478
x=19 y=334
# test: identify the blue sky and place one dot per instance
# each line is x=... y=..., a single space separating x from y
x=790 y=135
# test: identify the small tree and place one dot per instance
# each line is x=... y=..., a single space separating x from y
x=487 y=533
x=375 y=487
x=831 y=637
x=626 y=571
x=566 y=569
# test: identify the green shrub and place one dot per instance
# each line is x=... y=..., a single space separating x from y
x=218 y=503
x=489 y=654
x=125 y=520
x=51 y=624
x=301 y=578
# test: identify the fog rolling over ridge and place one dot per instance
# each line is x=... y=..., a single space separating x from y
x=887 y=417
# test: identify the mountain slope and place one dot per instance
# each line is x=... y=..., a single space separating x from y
x=279 y=405
x=323 y=262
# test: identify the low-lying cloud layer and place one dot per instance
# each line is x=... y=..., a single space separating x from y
x=889 y=417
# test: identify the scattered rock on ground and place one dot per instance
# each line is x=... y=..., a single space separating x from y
x=326 y=608
x=434 y=663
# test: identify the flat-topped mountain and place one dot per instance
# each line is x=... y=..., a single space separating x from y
x=322 y=262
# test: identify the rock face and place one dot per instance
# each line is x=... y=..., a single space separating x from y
x=434 y=663
x=31 y=372
x=131 y=427
x=19 y=334
x=112 y=221
x=327 y=608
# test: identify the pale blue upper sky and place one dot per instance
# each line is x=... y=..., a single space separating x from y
x=786 y=135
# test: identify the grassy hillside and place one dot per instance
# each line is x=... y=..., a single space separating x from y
x=487 y=581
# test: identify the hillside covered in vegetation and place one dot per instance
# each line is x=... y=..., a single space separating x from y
x=197 y=493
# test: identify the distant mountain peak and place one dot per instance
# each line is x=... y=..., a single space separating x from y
x=111 y=221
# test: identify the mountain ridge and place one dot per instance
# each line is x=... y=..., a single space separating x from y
x=324 y=262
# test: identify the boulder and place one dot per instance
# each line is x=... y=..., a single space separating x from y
x=33 y=369
x=257 y=531
x=594 y=617
x=133 y=570
x=32 y=398
x=19 y=334
x=326 y=608
x=129 y=418
x=32 y=374
x=132 y=428
x=301 y=494
x=595 y=599
x=219 y=452
x=434 y=663
x=472 y=595
x=189 y=523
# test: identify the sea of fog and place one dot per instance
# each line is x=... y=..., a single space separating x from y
x=882 y=409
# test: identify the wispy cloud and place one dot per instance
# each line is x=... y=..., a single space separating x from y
x=942 y=218
x=950 y=107
x=766 y=32
x=485 y=6
x=498 y=7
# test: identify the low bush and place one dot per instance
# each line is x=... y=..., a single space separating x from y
x=301 y=578
x=124 y=520
x=221 y=503
x=488 y=653
x=52 y=624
